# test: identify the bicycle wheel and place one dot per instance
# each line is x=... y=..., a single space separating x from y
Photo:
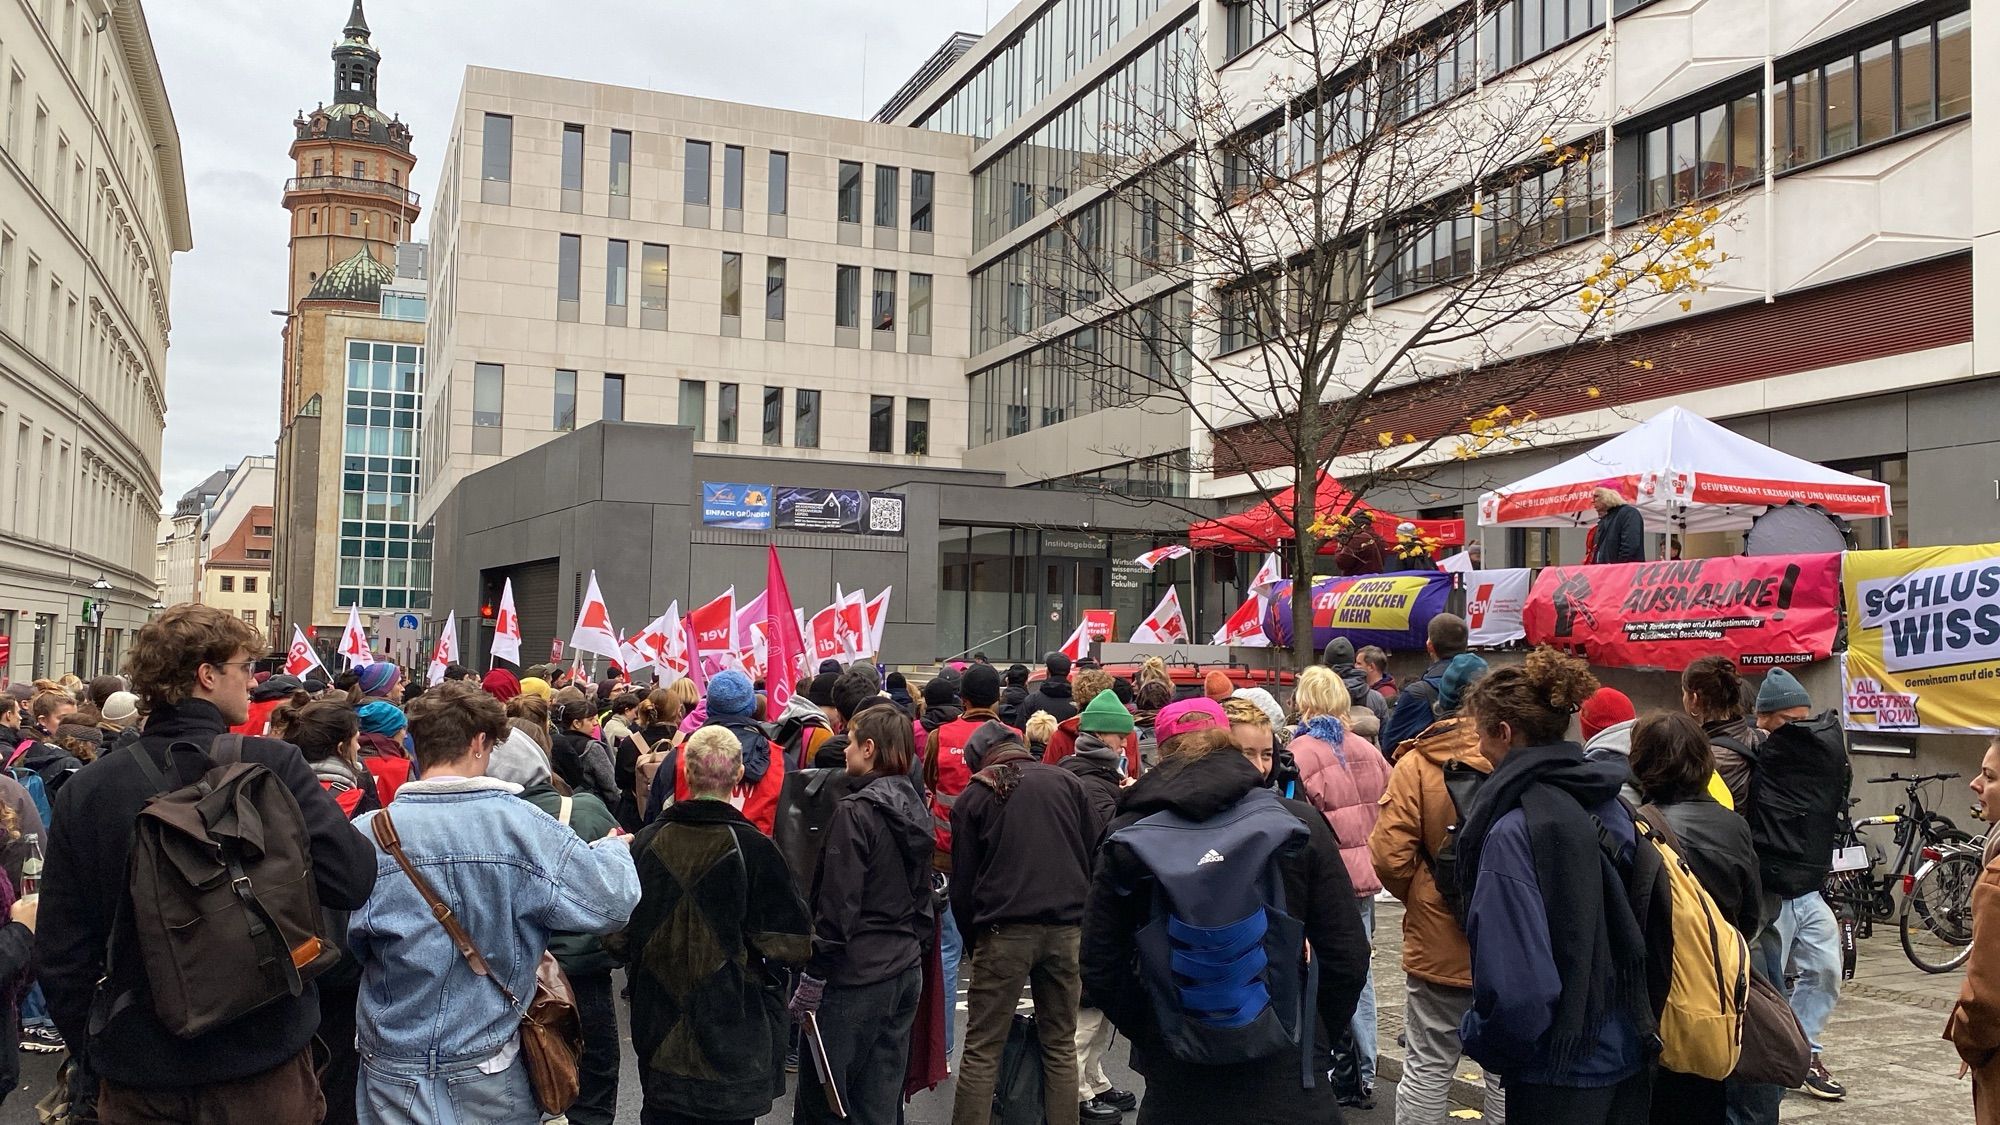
x=1936 y=919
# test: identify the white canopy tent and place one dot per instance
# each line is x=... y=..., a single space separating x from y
x=1684 y=473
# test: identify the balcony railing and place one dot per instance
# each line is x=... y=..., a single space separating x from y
x=352 y=184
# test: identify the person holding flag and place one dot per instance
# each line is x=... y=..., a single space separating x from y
x=506 y=629
x=446 y=653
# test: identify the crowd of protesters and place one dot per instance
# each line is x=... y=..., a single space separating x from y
x=803 y=888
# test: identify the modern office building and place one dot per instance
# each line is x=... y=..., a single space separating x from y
x=348 y=448
x=93 y=206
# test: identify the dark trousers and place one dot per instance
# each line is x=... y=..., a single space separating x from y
x=1628 y=1103
x=288 y=1092
x=866 y=1030
x=669 y=1117
x=597 y=1088
x=1688 y=1099
x=1006 y=959
x=343 y=1064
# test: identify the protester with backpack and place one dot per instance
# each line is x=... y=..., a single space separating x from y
x=802 y=726
x=1560 y=900
x=439 y=1044
x=192 y=665
x=1713 y=692
x=651 y=745
x=1671 y=764
x=946 y=774
x=1205 y=799
x=731 y=704
x=1416 y=703
x=575 y=755
x=1431 y=788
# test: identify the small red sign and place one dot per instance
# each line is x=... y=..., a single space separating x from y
x=555 y=651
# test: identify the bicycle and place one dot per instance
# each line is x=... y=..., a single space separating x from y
x=1936 y=919
x=1859 y=896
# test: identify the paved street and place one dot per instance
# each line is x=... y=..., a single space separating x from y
x=1883 y=1043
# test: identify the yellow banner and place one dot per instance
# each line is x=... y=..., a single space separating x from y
x=1923 y=645
x=1378 y=603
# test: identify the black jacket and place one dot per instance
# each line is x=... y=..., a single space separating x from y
x=1011 y=698
x=1052 y=696
x=1621 y=536
x=719 y=923
x=1024 y=857
x=85 y=878
x=17 y=944
x=1096 y=764
x=1317 y=891
x=1716 y=844
x=871 y=900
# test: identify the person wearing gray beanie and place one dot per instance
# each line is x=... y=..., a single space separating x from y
x=1781 y=699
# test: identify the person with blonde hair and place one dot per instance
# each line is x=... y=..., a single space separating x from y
x=1344 y=776
x=1250 y=727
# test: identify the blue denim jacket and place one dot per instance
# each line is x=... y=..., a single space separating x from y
x=513 y=875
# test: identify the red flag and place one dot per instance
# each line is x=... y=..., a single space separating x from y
x=824 y=636
x=1078 y=645
x=507 y=627
x=781 y=628
x=302 y=659
x=712 y=634
x=1245 y=626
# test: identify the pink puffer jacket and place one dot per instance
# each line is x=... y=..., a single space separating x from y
x=1350 y=795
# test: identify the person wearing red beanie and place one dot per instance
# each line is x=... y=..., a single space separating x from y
x=1606 y=708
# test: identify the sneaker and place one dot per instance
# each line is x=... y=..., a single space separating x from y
x=1097 y=1109
x=1821 y=1084
x=42 y=1039
x=1123 y=1099
x=1363 y=1099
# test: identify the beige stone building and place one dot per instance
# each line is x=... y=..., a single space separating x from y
x=93 y=206
x=237 y=575
x=785 y=284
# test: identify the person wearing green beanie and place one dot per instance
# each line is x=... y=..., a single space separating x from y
x=1105 y=715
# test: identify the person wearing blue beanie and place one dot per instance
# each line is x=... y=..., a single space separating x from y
x=379 y=716
x=730 y=693
x=1781 y=699
x=1465 y=670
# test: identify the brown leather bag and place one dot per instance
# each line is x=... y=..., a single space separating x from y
x=551 y=1031
x=1775 y=1048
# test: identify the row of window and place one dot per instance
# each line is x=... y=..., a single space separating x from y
x=249 y=587
x=104 y=365
x=1166 y=475
x=1114 y=362
x=847 y=195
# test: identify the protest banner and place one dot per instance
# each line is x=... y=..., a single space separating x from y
x=1923 y=646
x=1760 y=611
x=1495 y=601
x=1391 y=611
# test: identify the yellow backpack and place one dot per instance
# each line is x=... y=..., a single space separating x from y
x=1701 y=1029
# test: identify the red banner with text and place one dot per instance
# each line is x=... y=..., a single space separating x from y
x=1759 y=611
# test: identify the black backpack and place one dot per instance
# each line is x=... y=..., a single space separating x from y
x=1797 y=794
x=1462 y=782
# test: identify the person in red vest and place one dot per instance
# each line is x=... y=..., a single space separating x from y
x=732 y=704
x=1087 y=687
x=946 y=774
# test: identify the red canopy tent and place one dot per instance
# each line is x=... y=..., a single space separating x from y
x=1268 y=523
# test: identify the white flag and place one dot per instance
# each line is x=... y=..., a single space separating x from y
x=354 y=641
x=302 y=657
x=1166 y=625
x=446 y=653
x=1078 y=644
x=507 y=627
x=593 y=631
x=1494 y=603
x=1268 y=576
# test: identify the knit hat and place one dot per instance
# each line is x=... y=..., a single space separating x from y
x=1188 y=715
x=1464 y=670
x=1606 y=708
x=829 y=667
x=1266 y=702
x=1217 y=685
x=821 y=689
x=1105 y=715
x=941 y=691
x=1781 y=691
x=122 y=708
x=379 y=716
x=518 y=760
x=535 y=685
x=501 y=684
x=376 y=678
x=730 y=693
x=1339 y=651
x=981 y=686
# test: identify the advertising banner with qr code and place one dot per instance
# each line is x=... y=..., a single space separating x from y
x=847 y=510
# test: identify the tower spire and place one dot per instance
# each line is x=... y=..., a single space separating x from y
x=355 y=62
x=357 y=23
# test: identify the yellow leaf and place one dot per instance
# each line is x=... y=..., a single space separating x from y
x=1593 y=392
x=1478 y=208
x=1481 y=425
x=1548 y=142
x=1557 y=201
x=1686 y=305
x=1410 y=439
x=1387 y=439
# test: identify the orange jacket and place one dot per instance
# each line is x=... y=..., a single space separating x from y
x=1416 y=815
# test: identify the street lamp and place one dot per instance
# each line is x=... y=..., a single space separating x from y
x=157 y=606
x=100 y=584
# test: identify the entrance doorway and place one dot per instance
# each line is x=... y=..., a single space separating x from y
x=1068 y=587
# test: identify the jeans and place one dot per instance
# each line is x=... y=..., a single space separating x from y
x=951 y=949
x=1363 y=1024
x=866 y=1030
x=1093 y=1040
x=1431 y=1017
x=597 y=1092
x=1004 y=958
x=1628 y=1103
x=288 y=1093
x=34 y=1006
x=442 y=1091
x=1803 y=943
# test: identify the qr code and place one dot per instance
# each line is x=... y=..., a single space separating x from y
x=885 y=514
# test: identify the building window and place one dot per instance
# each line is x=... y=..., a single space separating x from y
x=496 y=157
x=403 y=306
x=881 y=424
x=1438 y=67
x=1540 y=211
x=732 y=284
x=805 y=421
x=617 y=258
x=569 y=276
x=847 y=296
x=614 y=398
x=923 y=185
x=884 y=317
x=694 y=407
x=774 y=415
x=1886 y=89
x=228 y=583
x=885 y=195
x=732 y=178
x=725 y=412
x=653 y=286
x=695 y=193
x=565 y=407
x=488 y=380
x=1248 y=23
x=774 y=289
x=250 y=618
x=572 y=168
x=920 y=304
x=249 y=583
x=1701 y=154
x=780 y=186
x=849 y=197
x=1250 y=312
x=621 y=166
x=1424 y=254
x=1518 y=31
x=262 y=530
x=917 y=426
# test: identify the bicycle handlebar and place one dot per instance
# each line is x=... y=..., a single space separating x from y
x=1900 y=779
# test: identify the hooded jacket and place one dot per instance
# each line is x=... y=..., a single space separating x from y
x=1417 y=816
x=1100 y=768
x=871 y=900
x=801 y=714
x=1052 y=696
x=1355 y=679
x=1725 y=736
x=1020 y=845
x=1346 y=783
x=1267 y=1091
x=1063 y=743
x=585 y=765
x=1012 y=697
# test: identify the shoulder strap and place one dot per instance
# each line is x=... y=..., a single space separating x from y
x=385 y=835
x=563 y=810
x=1652 y=821
x=20 y=752
x=640 y=741
x=227 y=749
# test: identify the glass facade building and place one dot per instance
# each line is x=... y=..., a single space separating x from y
x=385 y=557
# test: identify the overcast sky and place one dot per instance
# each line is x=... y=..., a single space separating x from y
x=238 y=70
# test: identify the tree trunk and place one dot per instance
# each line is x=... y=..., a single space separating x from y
x=1304 y=547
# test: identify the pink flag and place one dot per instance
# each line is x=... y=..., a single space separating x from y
x=787 y=648
x=750 y=635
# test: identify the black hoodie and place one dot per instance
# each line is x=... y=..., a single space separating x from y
x=871 y=899
x=1011 y=698
x=1052 y=696
x=1317 y=891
